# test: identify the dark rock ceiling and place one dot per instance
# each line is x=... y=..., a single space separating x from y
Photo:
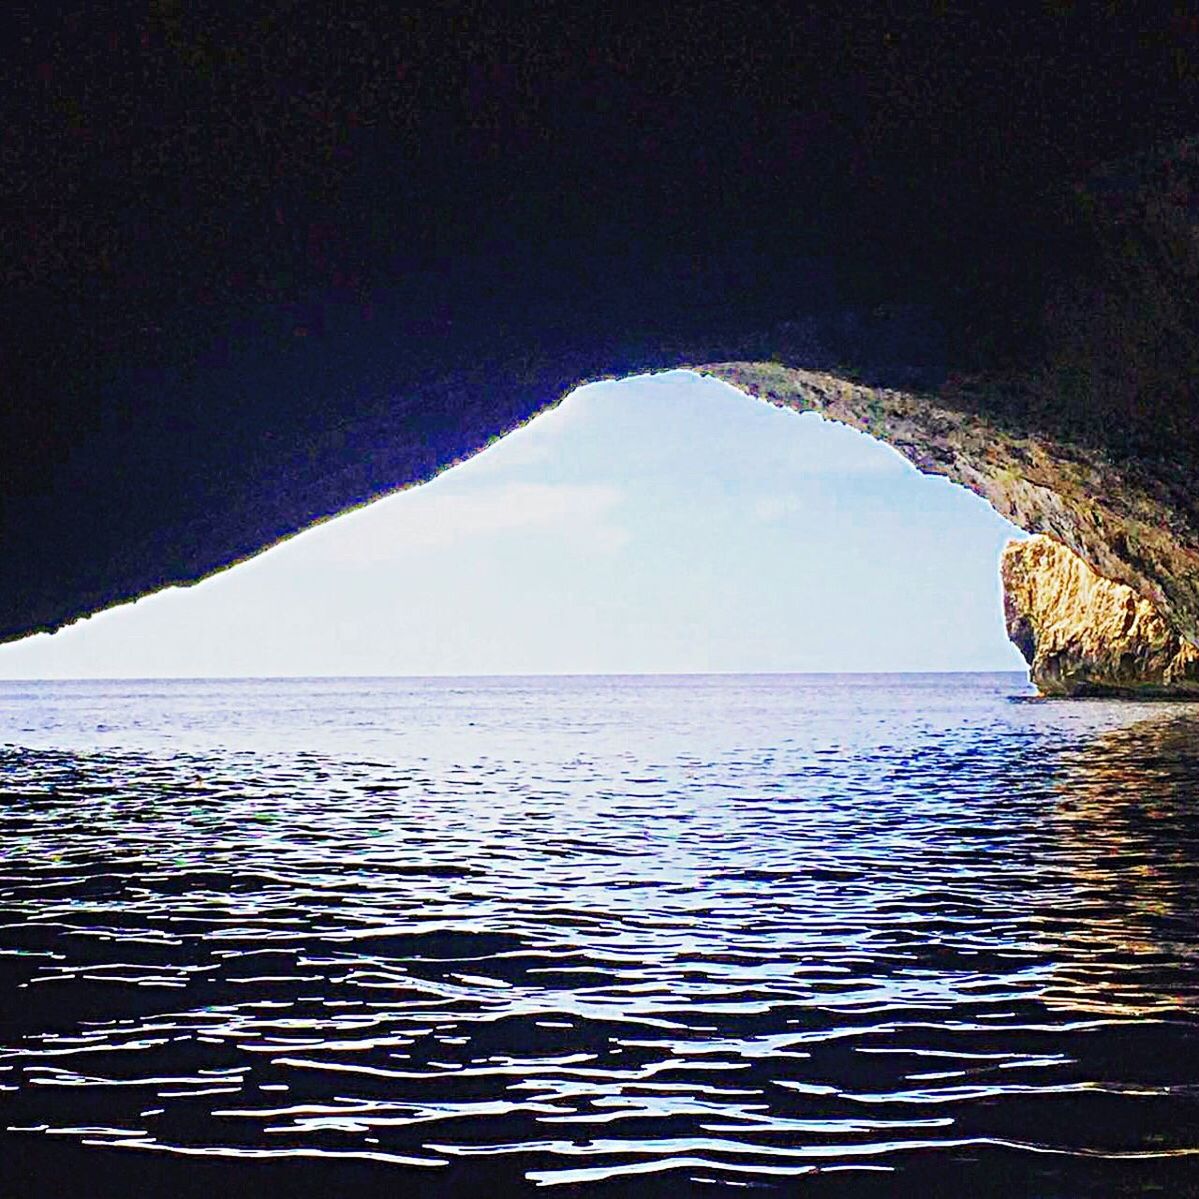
x=261 y=265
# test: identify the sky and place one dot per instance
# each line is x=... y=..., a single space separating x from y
x=664 y=524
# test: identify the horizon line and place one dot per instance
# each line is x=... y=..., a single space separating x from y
x=629 y=674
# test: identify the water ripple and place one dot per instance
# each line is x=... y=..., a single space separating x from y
x=798 y=928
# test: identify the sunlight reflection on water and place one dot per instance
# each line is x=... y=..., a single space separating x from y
x=681 y=929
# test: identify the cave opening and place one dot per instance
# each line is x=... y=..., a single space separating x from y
x=658 y=524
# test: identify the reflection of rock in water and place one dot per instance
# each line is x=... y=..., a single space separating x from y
x=1129 y=828
x=1143 y=771
x=1082 y=634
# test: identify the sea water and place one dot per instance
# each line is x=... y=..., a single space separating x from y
x=810 y=934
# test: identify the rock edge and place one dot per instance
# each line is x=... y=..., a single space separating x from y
x=1085 y=635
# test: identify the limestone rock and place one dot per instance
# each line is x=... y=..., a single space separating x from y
x=1083 y=634
x=1123 y=518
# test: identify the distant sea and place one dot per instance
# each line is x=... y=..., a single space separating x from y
x=827 y=935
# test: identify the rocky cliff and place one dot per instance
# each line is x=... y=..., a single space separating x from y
x=1120 y=518
x=1082 y=634
x=1108 y=601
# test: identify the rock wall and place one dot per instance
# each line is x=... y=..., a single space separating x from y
x=1115 y=516
x=1082 y=634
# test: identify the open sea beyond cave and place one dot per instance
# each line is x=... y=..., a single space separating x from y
x=819 y=935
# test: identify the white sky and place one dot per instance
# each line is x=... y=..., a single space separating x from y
x=664 y=524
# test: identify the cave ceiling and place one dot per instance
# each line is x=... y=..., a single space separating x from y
x=261 y=265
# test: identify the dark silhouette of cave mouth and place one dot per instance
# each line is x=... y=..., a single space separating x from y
x=273 y=266
x=1036 y=482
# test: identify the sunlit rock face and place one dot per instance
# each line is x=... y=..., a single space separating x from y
x=1082 y=634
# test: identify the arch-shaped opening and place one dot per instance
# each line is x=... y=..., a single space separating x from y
x=1109 y=519
x=658 y=524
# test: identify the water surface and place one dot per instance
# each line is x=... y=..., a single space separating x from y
x=905 y=934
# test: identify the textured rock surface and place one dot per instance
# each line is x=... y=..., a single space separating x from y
x=1115 y=515
x=1082 y=634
